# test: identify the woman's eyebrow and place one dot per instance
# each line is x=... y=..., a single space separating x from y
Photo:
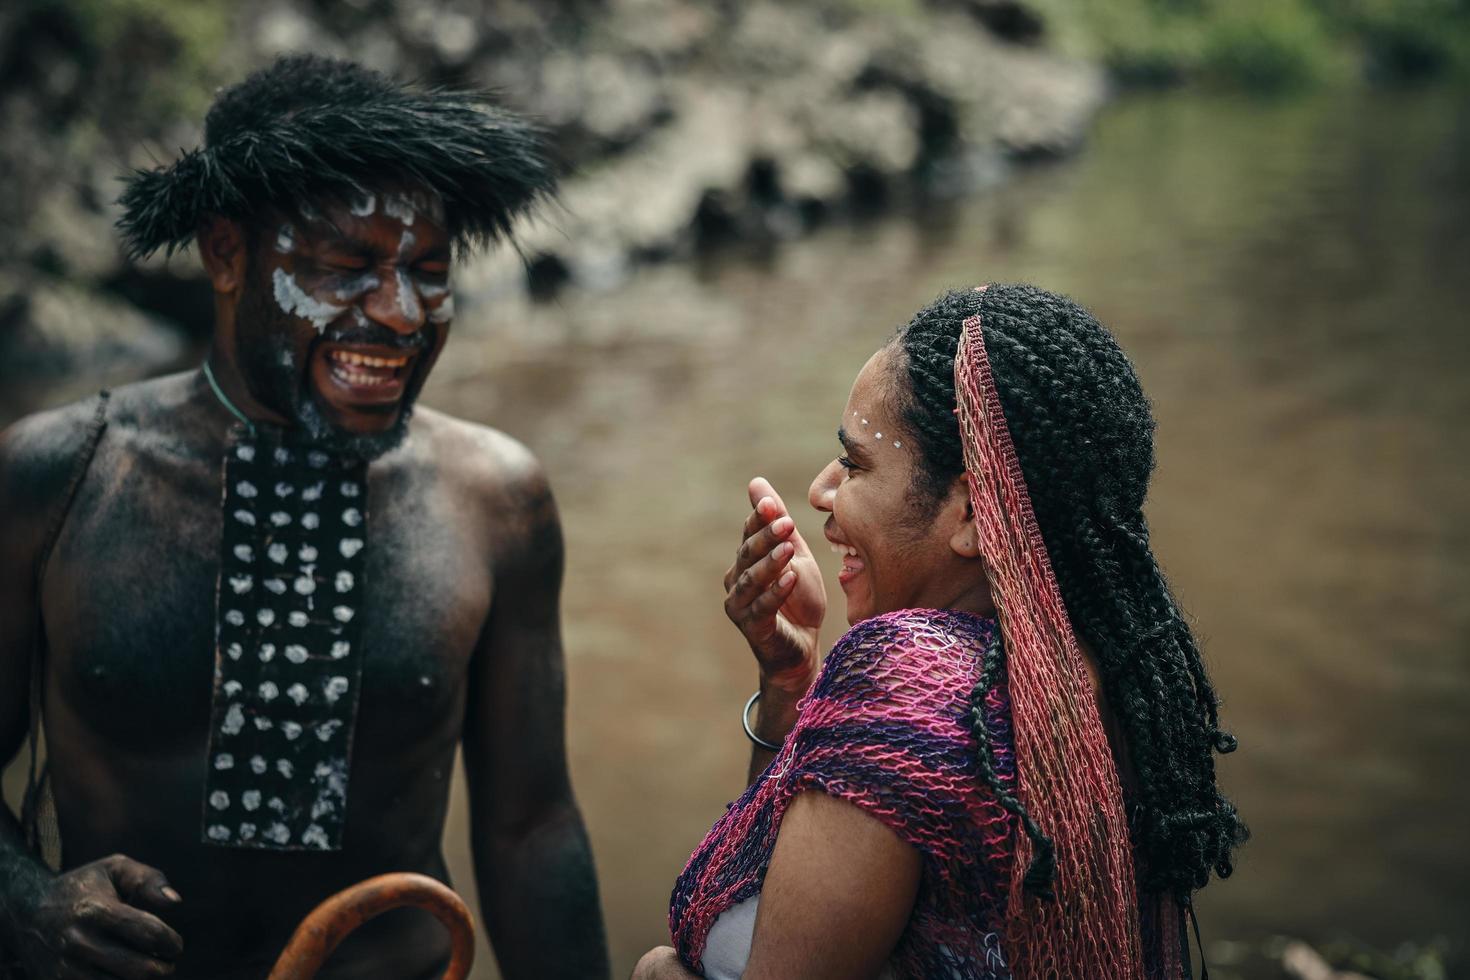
x=852 y=447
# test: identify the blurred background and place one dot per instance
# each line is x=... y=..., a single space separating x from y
x=1267 y=200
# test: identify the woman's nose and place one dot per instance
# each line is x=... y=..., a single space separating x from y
x=824 y=487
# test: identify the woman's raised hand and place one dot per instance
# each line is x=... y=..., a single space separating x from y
x=774 y=593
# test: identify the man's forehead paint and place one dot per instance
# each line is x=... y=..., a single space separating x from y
x=407 y=207
x=363 y=205
x=285 y=238
x=400 y=207
x=296 y=302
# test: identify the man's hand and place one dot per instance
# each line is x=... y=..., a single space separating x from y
x=774 y=594
x=96 y=922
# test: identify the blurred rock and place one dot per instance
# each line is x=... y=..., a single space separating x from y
x=55 y=329
x=685 y=124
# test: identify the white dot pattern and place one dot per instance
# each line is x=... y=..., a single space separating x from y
x=290 y=580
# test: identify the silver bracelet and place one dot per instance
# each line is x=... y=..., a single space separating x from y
x=750 y=732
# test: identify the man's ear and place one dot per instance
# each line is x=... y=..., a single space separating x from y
x=222 y=249
x=965 y=538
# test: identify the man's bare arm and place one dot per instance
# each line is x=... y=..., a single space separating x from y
x=91 y=921
x=533 y=862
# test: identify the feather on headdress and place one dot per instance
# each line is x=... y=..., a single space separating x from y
x=309 y=127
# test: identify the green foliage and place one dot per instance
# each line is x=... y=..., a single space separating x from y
x=1268 y=46
x=1262 y=45
x=1408 y=39
x=157 y=59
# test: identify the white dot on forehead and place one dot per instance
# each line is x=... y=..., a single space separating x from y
x=878 y=435
x=865 y=421
x=897 y=444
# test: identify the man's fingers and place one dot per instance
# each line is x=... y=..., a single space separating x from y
x=140 y=885
x=141 y=931
x=100 y=956
x=76 y=970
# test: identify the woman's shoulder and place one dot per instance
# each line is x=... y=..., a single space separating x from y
x=927 y=652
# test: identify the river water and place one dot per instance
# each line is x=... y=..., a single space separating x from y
x=1290 y=278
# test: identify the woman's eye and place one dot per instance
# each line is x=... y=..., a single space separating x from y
x=846 y=463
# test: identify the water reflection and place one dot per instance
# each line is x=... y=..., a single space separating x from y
x=1289 y=280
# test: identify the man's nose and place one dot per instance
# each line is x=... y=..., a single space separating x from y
x=824 y=487
x=396 y=304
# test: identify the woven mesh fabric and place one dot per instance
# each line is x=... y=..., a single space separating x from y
x=1067 y=778
x=886 y=727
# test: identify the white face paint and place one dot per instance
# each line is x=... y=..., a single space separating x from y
x=444 y=312
x=285 y=239
x=408 y=298
x=356 y=287
x=363 y=205
x=293 y=300
x=400 y=206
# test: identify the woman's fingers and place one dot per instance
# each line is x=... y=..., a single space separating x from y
x=757 y=544
x=769 y=601
x=755 y=579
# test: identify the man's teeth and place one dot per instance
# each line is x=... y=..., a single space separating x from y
x=358 y=378
x=347 y=357
x=844 y=549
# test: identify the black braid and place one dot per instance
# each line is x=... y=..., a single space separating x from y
x=1039 y=875
x=1083 y=434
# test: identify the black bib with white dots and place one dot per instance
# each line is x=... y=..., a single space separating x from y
x=287 y=659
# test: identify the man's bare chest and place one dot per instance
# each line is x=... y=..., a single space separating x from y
x=130 y=606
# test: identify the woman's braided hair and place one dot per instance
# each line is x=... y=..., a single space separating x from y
x=1083 y=435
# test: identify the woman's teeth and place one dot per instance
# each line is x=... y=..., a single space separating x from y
x=844 y=549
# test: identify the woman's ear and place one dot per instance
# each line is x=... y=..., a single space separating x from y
x=965 y=537
x=222 y=249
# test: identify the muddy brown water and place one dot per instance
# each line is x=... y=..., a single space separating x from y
x=1291 y=280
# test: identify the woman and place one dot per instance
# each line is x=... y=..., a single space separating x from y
x=1005 y=768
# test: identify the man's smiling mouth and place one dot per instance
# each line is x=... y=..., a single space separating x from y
x=359 y=370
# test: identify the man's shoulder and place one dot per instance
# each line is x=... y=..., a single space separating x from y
x=477 y=455
x=39 y=451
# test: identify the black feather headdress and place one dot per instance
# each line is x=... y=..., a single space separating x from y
x=311 y=127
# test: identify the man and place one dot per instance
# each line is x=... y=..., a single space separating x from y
x=277 y=598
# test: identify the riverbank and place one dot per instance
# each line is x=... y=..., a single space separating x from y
x=684 y=126
x=687 y=127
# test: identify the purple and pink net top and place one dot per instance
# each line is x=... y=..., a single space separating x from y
x=886 y=726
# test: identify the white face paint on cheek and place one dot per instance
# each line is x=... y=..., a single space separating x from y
x=293 y=300
x=444 y=312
